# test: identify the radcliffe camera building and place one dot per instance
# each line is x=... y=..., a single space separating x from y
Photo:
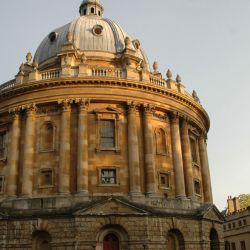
x=99 y=152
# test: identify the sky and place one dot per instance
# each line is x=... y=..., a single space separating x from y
x=206 y=41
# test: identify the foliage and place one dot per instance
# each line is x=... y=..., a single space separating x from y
x=244 y=200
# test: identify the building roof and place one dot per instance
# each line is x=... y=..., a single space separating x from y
x=90 y=32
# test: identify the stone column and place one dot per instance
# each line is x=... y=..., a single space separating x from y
x=205 y=173
x=29 y=151
x=14 y=154
x=149 y=151
x=82 y=151
x=187 y=160
x=177 y=157
x=64 y=163
x=133 y=152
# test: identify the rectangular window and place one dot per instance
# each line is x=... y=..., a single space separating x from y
x=108 y=176
x=2 y=145
x=240 y=223
x=243 y=245
x=197 y=187
x=164 y=180
x=245 y=222
x=46 y=178
x=107 y=134
x=233 y=246
x=233 y=224
x=1 y=184
x=194 y=150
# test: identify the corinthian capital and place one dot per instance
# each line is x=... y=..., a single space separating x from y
x=132 y=107
x=65 y=104
x=148 y=109
x=83 y=104
x=30 y=108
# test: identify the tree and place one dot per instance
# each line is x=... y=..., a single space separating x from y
x=244 y=200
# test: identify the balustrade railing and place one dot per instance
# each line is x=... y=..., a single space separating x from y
x=8 y=85
x=107 y=72
x=50 y=74
x=158 y=82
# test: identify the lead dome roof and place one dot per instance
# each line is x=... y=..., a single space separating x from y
x=85 y=39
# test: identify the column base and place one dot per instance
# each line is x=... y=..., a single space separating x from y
x=137 y=196
x=82 y=196
x=182 y=197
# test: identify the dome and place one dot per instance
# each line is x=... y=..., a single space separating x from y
x=90 y=32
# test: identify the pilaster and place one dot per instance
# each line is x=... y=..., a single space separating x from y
x=206 y=180
x=29 y=150
x=133 y=151
x=149 y=150
x=14 y=153
x=177 y=156
x=64 y=163
x=82 y=152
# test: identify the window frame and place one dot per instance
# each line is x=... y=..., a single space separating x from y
x=157 y=151
x=5 y=143
x=41 y=149
x=164 y=173
x=117 y=176
x=107 y=114
x=2 y=186
x=41 y=171
x=200 y=186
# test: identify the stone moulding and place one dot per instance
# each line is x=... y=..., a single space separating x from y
x=171 y=94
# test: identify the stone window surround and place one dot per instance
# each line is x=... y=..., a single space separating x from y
x=41 y=171
x=164 y=172
x=107 y=116
x=3 y=131
x=2 y=184
x=99 y=174
x=41 y=150
x=198 y=181
x=166 y=140
x=194 y=137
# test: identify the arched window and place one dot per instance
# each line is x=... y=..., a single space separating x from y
x=214 y=240
x=41 y=241
x=111 y=241
x=161 y=142
x=92 y=10
x=175 y=240
x=47 y=137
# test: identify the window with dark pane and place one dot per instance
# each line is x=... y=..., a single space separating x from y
x=160 y=141
x=243 y=245
x=165 y=180
x=1 y=184
x=107 y=133
x=2 y=145
x=194 y=150
x=46 y=178
x=197 y=187
x=108 y=176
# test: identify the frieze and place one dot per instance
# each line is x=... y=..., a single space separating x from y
x=48 y=110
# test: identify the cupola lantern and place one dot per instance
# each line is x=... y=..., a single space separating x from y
x=91 y=7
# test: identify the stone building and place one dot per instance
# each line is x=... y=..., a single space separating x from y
x=99 y=152
x=236 y=226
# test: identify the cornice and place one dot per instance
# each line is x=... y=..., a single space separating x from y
x=110 y=82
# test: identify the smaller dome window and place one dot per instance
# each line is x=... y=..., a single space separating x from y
x=52 y=36
x=97 y=30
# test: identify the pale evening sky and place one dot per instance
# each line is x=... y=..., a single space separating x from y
x=206 y=41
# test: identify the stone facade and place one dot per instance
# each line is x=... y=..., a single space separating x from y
x=97 y=150
x=236 y=226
